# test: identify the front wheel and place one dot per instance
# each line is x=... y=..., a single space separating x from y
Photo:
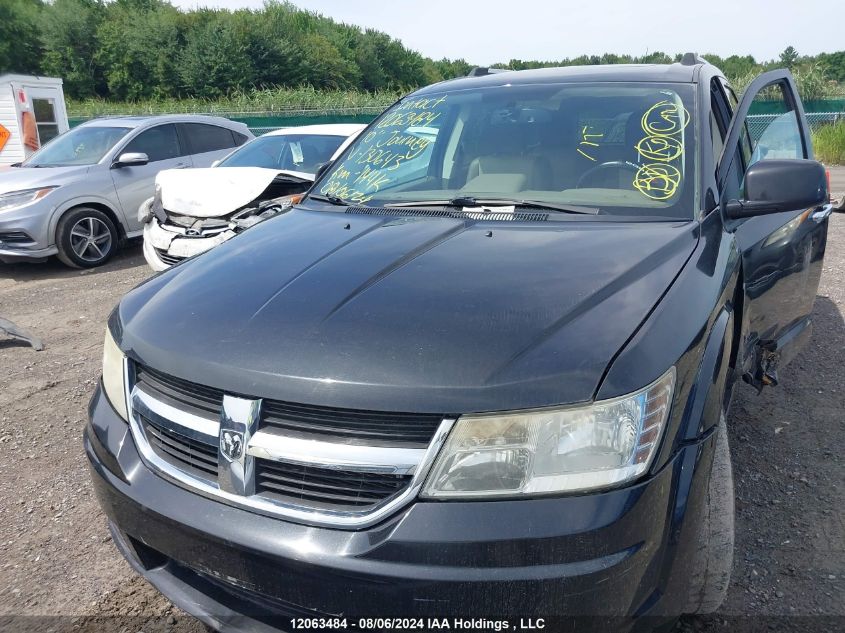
x=86 y=238
x=713 y=557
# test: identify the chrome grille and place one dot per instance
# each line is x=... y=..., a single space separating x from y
x=322 y=486
x=183 y=393
x=338 y=467
x=192 y=456
x=354 y=427
x=351 y=426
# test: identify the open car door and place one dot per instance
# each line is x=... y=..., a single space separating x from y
x=781 y=249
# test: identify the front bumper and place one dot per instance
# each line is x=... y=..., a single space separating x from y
x=607 y=556
x=12 y=255
x=163 y=248
x=32 y=221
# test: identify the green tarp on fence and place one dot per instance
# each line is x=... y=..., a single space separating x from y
x=259 y=123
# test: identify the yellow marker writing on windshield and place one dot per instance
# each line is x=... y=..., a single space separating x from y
x=586 y=142
x=658 y=181
x=660 y=148
x=663 y=124
x=664 y=118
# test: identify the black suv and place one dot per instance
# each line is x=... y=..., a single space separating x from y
x=482 y=370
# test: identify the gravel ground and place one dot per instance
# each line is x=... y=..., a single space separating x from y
x=56 y=558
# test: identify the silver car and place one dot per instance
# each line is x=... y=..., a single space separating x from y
x=78 y=196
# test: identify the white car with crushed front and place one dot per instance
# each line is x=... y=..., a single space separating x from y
x=194 y=210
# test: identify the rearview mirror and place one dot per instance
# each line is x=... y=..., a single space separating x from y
x=131 y=159
x=322 y=169
x=780 y=185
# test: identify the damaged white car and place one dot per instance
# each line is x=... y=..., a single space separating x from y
x=194 y=210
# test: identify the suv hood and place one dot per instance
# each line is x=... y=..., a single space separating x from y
x=216 y=191
x=18 y=178
x=411 y=314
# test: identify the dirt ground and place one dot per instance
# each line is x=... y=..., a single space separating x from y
x=56 y=558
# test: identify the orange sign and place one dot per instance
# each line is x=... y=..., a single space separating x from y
x=4 y=136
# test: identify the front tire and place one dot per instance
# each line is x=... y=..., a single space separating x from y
x=86 y=238
x=713 y=558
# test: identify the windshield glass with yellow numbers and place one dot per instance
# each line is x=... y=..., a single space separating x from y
x=624 y=148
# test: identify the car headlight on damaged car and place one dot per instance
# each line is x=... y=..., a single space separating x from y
x=114 y=377
x=146 y=210
x=15 y=199
x=566 y=449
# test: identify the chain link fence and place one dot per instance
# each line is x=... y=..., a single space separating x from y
x=757 y=123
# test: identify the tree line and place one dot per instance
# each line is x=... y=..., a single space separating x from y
x=832 y=64
x=127 y=50
x=141 y=49
x=817 y=76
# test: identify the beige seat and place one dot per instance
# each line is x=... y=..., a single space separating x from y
x=505 y=167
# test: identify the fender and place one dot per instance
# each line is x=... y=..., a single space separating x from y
x=688 y=328
x=705 y=400
x=78 y=201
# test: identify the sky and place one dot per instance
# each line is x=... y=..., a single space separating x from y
x=489 y=31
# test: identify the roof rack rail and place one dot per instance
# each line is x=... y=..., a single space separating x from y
x=691 y=59
x=482 y=71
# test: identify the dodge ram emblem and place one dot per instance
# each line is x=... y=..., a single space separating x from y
x=231 y=444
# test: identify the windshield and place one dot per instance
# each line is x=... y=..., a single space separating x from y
x=625 y=149
x=84 y=145
x=294 y=152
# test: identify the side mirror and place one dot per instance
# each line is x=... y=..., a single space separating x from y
x=131 y=159
x=780 y=185
x=215 y=163
x=322 y=169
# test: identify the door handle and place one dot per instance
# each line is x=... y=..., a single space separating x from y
x=180 y=165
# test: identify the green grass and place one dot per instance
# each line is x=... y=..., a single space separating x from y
x=271 y=101
x=829 y=143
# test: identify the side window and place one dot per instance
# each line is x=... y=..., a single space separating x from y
x=158 y=143
x=733 y=102
x=208 y=138
x=45 y=119
x=772 y=125
x=720 y=118
x=718 y=126
x=240 y=139
x=716 y=136
x=744 y=139
x=770 y=129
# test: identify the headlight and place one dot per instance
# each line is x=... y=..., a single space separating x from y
x=113 y=376
x=146 y=210
x=20 y=198
x=145 y=213
x=553 y=450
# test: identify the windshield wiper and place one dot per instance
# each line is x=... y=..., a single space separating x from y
x=340 y=202
x=469 y=201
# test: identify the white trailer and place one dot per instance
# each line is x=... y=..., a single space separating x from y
x=32 y=111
